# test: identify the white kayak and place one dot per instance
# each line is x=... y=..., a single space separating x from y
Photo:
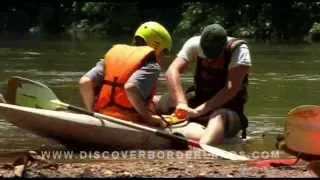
x=35 y=107
x=84 y=131
x=80 y=129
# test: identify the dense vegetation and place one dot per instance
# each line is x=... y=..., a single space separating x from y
x=276 y=20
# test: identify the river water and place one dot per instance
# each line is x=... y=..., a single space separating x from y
x=282 y=77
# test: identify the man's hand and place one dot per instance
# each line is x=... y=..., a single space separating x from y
x=199 y=111
x=189 y=112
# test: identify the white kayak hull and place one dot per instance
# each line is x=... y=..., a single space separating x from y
x=79 y=129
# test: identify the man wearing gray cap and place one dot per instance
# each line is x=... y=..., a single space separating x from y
x=215 y=104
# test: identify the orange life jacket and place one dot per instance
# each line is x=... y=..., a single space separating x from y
x=120 y=62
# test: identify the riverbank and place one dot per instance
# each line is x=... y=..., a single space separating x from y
x=33 y=165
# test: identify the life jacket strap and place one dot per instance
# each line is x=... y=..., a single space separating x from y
x=112 y=101
x=113 y=83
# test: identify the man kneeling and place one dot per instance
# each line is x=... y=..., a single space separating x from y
x=215 y=104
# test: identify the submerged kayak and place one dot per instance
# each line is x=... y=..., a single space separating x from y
x=79 y=129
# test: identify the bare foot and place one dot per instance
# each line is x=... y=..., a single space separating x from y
x=2 y=100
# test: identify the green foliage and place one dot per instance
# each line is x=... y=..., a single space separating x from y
x=195 y=17
x=92 y=8
x=103 y=19
x=245 y=31
x=315 y=32
x=283 y=20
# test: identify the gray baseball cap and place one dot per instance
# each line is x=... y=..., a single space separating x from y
x=213 y=39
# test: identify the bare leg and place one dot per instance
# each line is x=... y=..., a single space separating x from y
x=191 y=130
x=215 y=131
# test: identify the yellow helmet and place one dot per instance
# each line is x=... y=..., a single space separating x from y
x=155 y=35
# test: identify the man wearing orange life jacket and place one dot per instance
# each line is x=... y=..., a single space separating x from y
x=123 y=84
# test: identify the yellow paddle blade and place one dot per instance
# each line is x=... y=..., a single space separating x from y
x=170 y=119
x=25 y=92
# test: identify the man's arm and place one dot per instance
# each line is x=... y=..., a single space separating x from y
x=173 y=76
x=185 y=56
x=134 y=96
x=88 y=84
x=139 y=88
x=234 y=83
x=87 y=92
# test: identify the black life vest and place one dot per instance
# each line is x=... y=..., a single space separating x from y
x=211 y=77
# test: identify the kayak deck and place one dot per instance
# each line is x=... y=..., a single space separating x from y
x=79 y=129
x=83 y=131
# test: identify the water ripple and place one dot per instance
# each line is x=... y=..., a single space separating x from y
x=33 y=53
x=21 y=58
x=288 y=77
x=36 y=72
x=298 y=77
